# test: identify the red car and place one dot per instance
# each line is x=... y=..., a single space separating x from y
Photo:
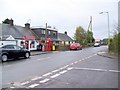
x=75 y=46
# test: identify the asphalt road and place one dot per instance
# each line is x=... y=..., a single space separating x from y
x=68 y=69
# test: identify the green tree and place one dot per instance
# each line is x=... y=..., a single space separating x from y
x=80 y=35
x=7 y=21
x=89 y=37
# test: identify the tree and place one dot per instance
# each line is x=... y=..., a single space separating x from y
x=7 y=21
x=89 y=37
x=80 y=35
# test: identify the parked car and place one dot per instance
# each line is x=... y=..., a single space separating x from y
x=13 y=51
x=75 y=46
x=96 y=44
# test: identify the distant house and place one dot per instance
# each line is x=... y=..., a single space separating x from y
x=24 y=36
x=64 y=39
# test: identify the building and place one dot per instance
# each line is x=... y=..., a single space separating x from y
x=51 y=33
x=23 y=36
x=64 y=39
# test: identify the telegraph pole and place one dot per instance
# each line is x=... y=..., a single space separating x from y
x=45 y=35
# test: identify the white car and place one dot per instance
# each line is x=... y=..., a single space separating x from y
x=96 y=44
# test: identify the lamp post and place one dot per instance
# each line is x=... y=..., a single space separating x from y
x=108 y=25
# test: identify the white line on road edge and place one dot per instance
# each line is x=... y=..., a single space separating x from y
x=43 y=58
x=44 y=81
x=33 y=85
x=114 y=71
x=63 y=72
x=36 y=78
x=46 y=74
x=25 y=83
x=90 y=69
x=56 y=75
x=96 y=69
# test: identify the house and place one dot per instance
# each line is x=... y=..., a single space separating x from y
x=64 y=39
x=24 y=36
x=51 y=33
x=7 y=39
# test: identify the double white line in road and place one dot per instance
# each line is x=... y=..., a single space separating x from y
x=58 y=72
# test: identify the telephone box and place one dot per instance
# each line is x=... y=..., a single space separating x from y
x=49 y=43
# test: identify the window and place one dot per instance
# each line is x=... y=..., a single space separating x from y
x=43 y=31
x=8 y=47
x=17 y=47
x=49 y=32
x=54 y=33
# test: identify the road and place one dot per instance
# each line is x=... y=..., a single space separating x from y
x=67 y=69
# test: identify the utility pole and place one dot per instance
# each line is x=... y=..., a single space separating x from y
x=45 y=35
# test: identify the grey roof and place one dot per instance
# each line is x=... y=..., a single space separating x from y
x=16 y=31
x=64 y=37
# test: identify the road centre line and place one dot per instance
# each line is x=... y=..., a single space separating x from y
x=25 y=83
x=33 y=85
x=36 y=78
x=44 y=81
x=46 y=74
x=63 y=72
x=56 y=75
x=55 y=70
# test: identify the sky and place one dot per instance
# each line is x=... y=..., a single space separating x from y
x=65 y=15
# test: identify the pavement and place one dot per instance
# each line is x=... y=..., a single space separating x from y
x=105 y=53
x=33 y=53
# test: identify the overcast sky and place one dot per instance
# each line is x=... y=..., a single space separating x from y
x=65 y=15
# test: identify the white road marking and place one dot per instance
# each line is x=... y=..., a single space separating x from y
x=55 y=71
x=76 y=62
x=70 y=68
x=114 y=71
x=46 y=74
x=96 y=69
x=80 y=60
x=12 y=87
x=63 y=72
x=33 y=85
x=56 y=75
x=25 y=83
x=36 y=78
x=71 y=63
x=43 y=58
x=44 y=81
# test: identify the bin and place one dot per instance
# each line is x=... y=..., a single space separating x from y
x=53 y=48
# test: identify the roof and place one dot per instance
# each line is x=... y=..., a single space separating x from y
x=64 y=37
x=7 y=37
x=15 y=31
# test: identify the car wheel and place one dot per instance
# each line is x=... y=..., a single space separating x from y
x=4 y=57
x=27 y=55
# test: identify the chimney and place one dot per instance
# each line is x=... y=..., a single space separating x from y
x=11 y=22
x=65 y=32
x=27 y=26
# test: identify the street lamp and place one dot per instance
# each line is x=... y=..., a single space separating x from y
x=108 y=24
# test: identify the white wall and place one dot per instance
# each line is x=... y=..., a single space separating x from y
x=7 y=42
